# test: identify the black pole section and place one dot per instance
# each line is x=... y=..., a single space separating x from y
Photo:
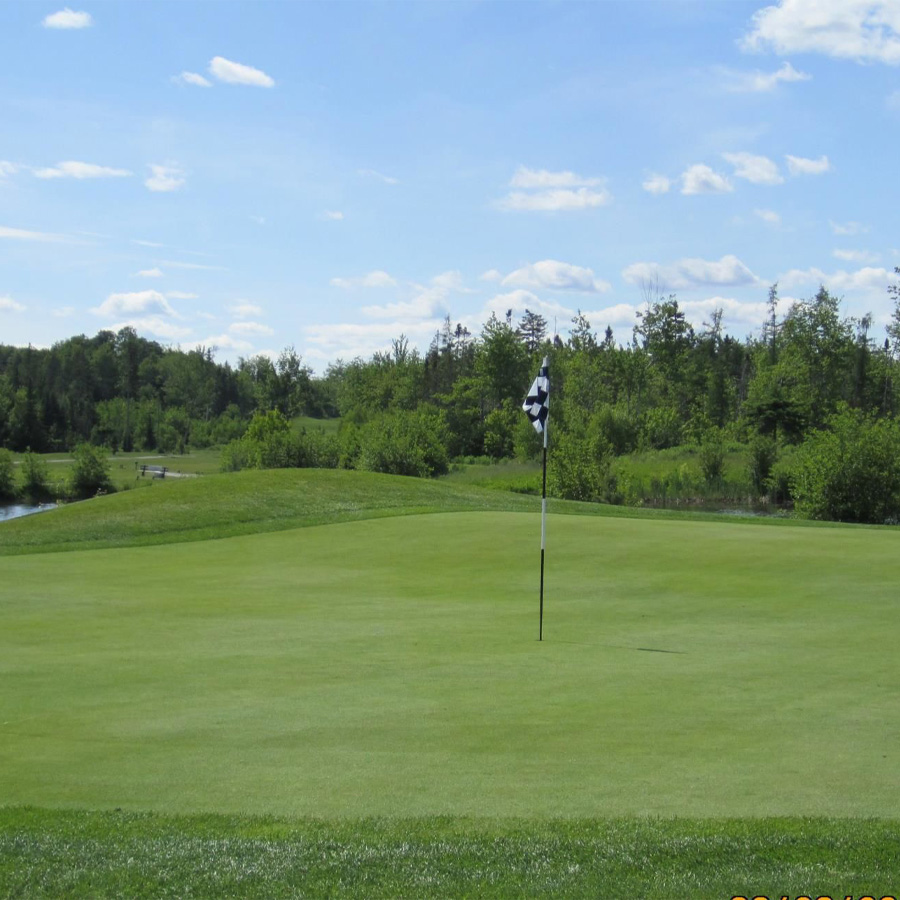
x=543 y=515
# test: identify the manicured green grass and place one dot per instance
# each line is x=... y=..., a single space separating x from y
x=389 y=667
x=75 y=854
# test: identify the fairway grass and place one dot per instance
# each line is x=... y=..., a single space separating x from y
x=389 y=667
x=360 y=707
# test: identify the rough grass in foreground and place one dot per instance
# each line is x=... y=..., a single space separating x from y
x=47 y=853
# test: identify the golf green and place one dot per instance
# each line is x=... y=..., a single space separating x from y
x=390 y=667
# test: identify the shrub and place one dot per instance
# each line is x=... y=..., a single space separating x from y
x=763 y=455
x=405 y=443
x=850 y=472
x=712 y=456
x=90 y=471
x=662 y=428
x=7 y=474
x=35 y=474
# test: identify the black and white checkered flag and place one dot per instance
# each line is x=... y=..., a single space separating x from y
x=537 y=403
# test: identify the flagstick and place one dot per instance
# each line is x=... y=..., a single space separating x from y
x=543 y=529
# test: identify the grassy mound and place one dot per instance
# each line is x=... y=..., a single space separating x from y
x=251 y=502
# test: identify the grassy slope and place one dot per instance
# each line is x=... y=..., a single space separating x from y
x=250 y=502
x=55 y=854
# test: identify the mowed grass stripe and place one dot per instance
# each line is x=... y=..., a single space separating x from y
x=390 y=667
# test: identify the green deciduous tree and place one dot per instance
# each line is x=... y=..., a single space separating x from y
x=850 y=471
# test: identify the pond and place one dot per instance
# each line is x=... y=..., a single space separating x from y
x=13 y=511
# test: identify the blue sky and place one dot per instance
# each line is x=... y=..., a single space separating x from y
x=330 y=175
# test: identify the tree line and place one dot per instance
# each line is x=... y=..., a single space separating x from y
x=810 y=372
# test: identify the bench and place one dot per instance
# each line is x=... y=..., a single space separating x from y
x=154 y=471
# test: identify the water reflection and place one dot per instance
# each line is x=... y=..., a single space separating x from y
x=15 y=510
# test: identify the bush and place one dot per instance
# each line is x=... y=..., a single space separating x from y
x=662 y=428
x=90 y=471
x=579 y=464
x=763 y=455
x=850 y=472
x=404 y=443
x=36 y=475
x=7 y=474
x=712 y=456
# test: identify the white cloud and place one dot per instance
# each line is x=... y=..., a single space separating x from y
x=798 y=165
x=761 y=82
x=333 y=215
x=376 y=279
x=701 y=179
x=371 y=173
x=451 y=281
x=618 y=314
x=20 y=234
x=429 y=304
x=9 y=305
x=349 y=340
x=551 y=274
x=752 y=313
x=146 y=243
x=181 y=295
x=237 y=73
x=861 y=30
x=546 y=191
x=519 y=300
x=155 y=272
x=490 y=275
x=756 y=169
x=865 y=279
x=192 y=78
x=543 y=179
x=768 y=215
x=225 y=342
x=80 y=170
x=156 y=325
x=848 y=228
x=857 y=256
x=556 y=200
x=690 y=273
x=192 y=266
x=67 y=18
x=248 y=328
x=657 y=184
x=244 y=310
x=164 y=179
x=135 y=302
x=7 y=168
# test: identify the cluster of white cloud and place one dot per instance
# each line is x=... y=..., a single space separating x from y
x=165 y=178
x=168 y=177
x=541 y=190
x=68 y=19
x=7 y=304
x=702 y=179
x=867 y=279
x=80 y=170
x=551 y=274
x=22 y=234
x=690 y=273
x=861 y=30
x=228 y=72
